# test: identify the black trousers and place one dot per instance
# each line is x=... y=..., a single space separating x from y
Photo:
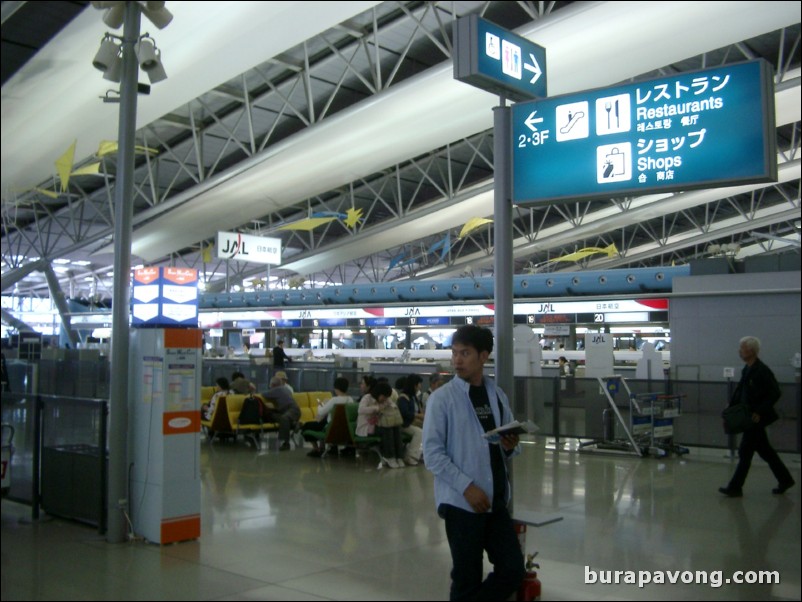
x=756 y=440
x=469 y=536
x=391 y=445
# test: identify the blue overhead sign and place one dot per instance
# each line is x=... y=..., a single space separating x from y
x=330 y=322
x=695 y=130
x=494 y=59
x=285 y=323
x=429 y=321
x=373 y=322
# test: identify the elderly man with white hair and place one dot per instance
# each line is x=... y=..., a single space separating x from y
x=759 y=390
x=286 y=411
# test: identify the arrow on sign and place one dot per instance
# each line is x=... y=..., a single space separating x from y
x=531 y=121
x=534 y=68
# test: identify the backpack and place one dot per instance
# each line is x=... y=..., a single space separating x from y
x=251 y=412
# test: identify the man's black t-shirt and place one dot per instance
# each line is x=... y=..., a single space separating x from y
x=481 y=404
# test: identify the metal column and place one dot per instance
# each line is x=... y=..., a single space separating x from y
x=502 y=247
x=123 y=217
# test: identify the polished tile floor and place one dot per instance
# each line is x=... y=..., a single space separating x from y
x=281 y=526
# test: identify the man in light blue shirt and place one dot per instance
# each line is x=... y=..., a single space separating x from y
x=471 y=487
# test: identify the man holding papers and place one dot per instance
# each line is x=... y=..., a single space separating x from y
x=471 y=487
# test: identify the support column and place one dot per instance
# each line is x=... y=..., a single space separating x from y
x=123 y=218
x=502 y=248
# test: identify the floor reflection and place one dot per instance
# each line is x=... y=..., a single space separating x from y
x=282 y=526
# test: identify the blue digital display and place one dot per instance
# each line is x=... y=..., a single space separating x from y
x=695 y=130
x=331 y=322
x=286 y=323
x=380 y=322
x=430 y=321
x=247 y=323
x=496 y=60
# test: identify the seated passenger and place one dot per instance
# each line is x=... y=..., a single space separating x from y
x=394 y=395
x=285 y=410
x=241 y=385
x=324 y=414
x=435 y=382
x=371 y=407
x=222 y=389
x=284 y=380
x=366 y=420
x=409 y=391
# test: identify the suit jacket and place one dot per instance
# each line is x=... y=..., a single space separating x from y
x=279 y=357
x=762 y=392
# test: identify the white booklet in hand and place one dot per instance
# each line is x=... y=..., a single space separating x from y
x=512 y=428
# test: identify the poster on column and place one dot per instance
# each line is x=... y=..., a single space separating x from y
x=180 y=383
x=152 y=379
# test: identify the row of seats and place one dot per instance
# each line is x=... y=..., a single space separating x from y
x=309 y=402
x=225 y=418
x=341 y=430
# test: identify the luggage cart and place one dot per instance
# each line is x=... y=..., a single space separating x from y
x=652 y=422
x=650 y=428
x=610 y=385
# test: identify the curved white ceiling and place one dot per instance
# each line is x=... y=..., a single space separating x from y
x=588 y=45
x=53 y=99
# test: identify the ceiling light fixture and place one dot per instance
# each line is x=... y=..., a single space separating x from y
x=157 y=13
x=149 y=57
x=108 y=58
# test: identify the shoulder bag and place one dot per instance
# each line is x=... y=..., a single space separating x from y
x=737 y=418
x=390 y=416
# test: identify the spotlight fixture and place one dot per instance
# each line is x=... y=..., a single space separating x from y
x=115 y=13
x=114 y=71
x=113 y=17
x=157 y=73
x=157 y=13
x=146 y=52
x=107 y=54
x=109 y=58
x=150 y=59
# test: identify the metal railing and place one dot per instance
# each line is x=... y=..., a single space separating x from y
x=573 y=408
x=59 y=458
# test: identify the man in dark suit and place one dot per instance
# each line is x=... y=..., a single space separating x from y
x=759 y=389
x=279 y=357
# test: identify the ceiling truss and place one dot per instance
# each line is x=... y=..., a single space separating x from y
x=255 y=112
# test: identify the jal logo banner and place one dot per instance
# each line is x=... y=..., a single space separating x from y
x=245 y=247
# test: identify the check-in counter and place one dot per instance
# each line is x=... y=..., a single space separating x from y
x=404 y=368
x=312 y=375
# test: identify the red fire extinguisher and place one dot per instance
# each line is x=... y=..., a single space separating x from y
x=530 y=587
